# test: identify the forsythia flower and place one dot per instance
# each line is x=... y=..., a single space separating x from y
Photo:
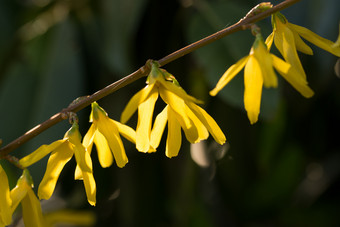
x=104 y=132
x=31 y=209
x=286 y=37
x=5 y=199
x=180 y=112
x=62 y=152
x=258 y=71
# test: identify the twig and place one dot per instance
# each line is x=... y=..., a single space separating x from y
x=143 y=71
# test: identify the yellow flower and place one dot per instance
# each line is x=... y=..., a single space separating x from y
x=104 y=133
x=62 y=152
x=286 y=37
x=5 y=199
x=31 y=209
x=258 y=71
x=180 y=112
x=32 y=212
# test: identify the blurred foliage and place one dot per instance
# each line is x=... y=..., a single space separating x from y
x=282 y=171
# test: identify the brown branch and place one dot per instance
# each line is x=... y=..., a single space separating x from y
x=63 y=114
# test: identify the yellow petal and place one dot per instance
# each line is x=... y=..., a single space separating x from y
x=18 y=193
x=110 y=131
x=269 y=41
x=87 y=143
x=253 y=83
x=158 y=128
x=174 y=139
x=143 y=130
x=104 y=154
x=190 y=132
x=71 y=217
x=292 y=76
x=229 y=75
x=200 y=127
x=78 y=175
x=5 y=198
x=300 y=44
x=83 y=158
x=38 y=154
x=284 y=42
x=88 y=138
x=263 y=57
x=179 y=91
x=126 y=131
x=177 y=104
x=317 y=40
x=209 y=123
x=31 y=210
x=280 y=64
x=135 y=101
x=179 y=107
x=55 y=165
x=90 y=187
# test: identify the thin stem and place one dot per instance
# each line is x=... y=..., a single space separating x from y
x=243 y=24
x=13 y=160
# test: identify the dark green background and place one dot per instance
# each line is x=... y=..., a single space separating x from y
x=282 y=171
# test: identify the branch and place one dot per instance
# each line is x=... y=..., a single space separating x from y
x=243 y=24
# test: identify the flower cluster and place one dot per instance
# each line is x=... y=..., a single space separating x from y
x=181 y=113
x=259 y=64
x=32 y=213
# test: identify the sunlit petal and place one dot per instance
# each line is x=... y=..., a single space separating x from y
x=209 y=123
x=134 y=102
x=174 y=139
x=143 y=130
x=78 y=175
x=110 y=131
x=104 y=154
x=280 y=64
x=190 y=132
x=38 y=154
x=269 y=40
x=55 y=164
x=88 y=138
x=158 y=128
x=316 y=39
x=284 y=42
x=5 y=198
x=300 y=44
x=18 y=193
x=229 y=75
x=83 y=158
x=263 y=57
x=292 y=76
x=126 y=131
x=179 y=107
x=90 y=187
x=200 y=127
x=253 y=83
x=179 y=91
x=177 y=104
x=31 y=210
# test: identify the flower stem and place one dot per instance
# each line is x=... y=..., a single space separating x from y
x=243 y=24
